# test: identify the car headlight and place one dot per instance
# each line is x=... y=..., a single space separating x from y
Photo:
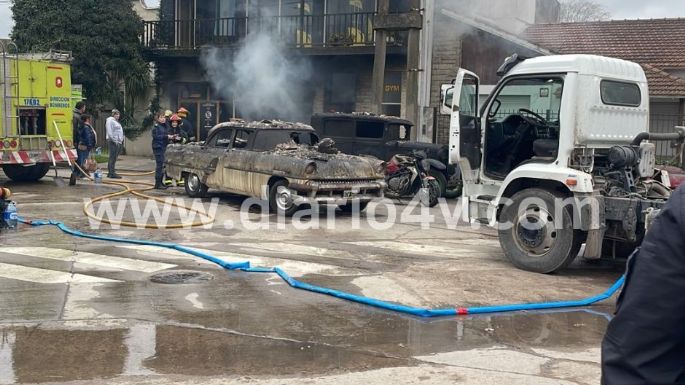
x=310 y=169
x=381 y=167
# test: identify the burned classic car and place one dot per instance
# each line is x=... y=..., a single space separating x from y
x=281 y=162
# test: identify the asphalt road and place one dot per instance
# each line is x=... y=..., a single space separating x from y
x=76 y=310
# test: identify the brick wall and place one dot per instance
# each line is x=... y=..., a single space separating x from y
x=364 y=90
x=446 y=62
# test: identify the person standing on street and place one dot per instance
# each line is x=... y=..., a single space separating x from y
x=186 y=125
x=645 y=341
x=77 y=126
x=160 y=140
x=87 y=142
x=115 y=141
x=167 y=115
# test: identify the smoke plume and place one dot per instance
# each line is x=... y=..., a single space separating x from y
x=265 y=80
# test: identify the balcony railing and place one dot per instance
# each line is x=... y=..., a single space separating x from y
x=309 y=31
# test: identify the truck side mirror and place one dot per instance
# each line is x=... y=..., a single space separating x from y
x=447 y=98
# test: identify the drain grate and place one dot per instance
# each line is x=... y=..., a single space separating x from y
x=181 y=277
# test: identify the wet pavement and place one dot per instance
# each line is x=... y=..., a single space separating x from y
x=89 y=311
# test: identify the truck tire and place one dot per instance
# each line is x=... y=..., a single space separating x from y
x=280 y=201
x=441 y=179
x=528 y=234
x=19 y=173
x=194 y=186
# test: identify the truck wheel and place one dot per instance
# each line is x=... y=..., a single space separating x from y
x=20 y=173
x=529 y=237
x=347 y=208
x=281 y=199
x=194 y=186
x=441 y=179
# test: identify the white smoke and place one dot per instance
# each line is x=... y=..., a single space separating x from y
x=265 y=80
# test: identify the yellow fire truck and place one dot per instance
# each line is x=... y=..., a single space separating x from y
x=36 y=112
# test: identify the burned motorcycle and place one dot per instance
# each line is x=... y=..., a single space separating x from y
x=407 y=176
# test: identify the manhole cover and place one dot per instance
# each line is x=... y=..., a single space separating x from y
x=179 y=277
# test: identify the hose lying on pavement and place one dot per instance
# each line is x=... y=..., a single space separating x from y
x=421 y=312
x=139 y=192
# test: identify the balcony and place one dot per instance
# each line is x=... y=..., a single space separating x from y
x=352 y=31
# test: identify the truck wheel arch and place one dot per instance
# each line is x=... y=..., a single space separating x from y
x=519 y=184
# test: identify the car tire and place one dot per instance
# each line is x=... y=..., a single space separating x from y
x=194 y=186
x=441 y=179
x=279 y=203
x=349 y=207
x=19 y=173
x=543 y=248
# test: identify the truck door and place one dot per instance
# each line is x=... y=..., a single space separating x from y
x=460 y=101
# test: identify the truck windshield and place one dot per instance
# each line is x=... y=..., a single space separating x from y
x=268 y=140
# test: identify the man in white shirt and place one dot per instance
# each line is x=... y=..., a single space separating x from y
x=115 y=141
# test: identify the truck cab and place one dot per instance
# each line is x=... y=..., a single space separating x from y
x=555 y=157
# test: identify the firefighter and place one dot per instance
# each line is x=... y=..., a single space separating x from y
x=177 y=136
x=160 y=140
x=645 y=341
x=167 y=117
x=176 y=130
x=186 y=124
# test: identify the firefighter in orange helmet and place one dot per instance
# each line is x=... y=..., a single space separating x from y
x=176 y=130
x=186 y=124
x=177 y=136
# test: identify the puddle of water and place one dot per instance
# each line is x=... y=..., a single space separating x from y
x=58 y=352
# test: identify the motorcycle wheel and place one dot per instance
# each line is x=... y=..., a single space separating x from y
x=433 y=192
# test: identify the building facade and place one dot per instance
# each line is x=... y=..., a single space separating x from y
x=382 y=56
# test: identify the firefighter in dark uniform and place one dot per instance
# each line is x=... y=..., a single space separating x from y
x=177 y=135
x=645 y=342
x=160 y=140
x=186 y=124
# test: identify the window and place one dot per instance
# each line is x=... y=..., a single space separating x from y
x=269 y=139
x=620 y=93
x=371 y=130
x=468 y=100
x=242 y=139
x=398 y=132
x=221 y=139
x=339 y=128
x=526 y=94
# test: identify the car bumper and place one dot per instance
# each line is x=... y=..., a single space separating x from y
x=341 y=192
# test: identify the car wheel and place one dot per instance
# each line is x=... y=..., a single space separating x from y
x=281 y=200
x=529 y=237
x=194 y=186
x=19 y=173
x=441 y=179
x=349 y=207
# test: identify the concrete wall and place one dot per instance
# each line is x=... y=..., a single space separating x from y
x=446 y=61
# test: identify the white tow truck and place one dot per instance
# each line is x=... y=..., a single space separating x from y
x=559 y=156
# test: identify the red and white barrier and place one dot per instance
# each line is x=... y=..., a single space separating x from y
x=32 y=157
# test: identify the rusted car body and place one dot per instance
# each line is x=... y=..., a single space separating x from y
x=277 y=161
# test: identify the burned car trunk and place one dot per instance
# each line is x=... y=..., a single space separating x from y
x=278 y=161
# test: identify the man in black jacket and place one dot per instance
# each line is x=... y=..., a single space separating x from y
x=645 y=342
x=77 y=125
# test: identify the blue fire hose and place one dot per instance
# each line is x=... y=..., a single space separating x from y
x=421 y=312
